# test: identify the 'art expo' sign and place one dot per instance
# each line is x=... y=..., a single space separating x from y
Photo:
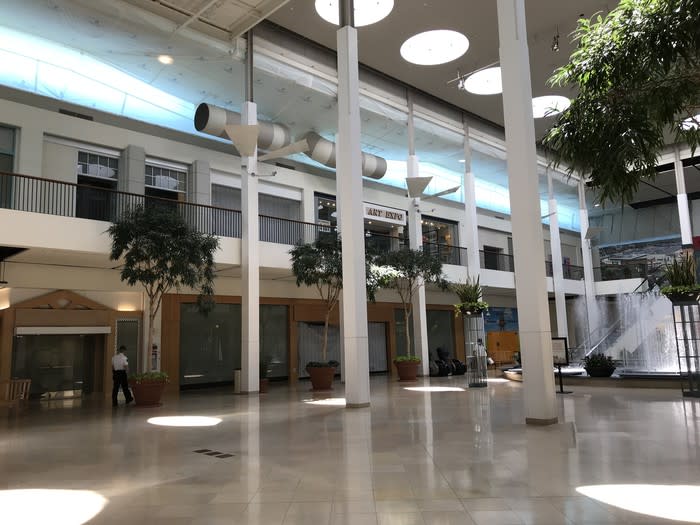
x=374 y=212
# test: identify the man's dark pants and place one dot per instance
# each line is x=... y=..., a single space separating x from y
x=120 y=381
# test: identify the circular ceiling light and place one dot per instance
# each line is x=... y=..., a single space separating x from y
x=434 y=47
x=367 y=12
x=485 y=82
x=549 y=105
x=165 y=59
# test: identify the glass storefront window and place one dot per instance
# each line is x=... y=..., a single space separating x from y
x=274 y=341
x=210 y=346
x=440 y=331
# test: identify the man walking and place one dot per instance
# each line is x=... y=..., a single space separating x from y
x=120 y=369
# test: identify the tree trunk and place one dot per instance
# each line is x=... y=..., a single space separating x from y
x=324 y=348
x=406 y=316
x=151 y=333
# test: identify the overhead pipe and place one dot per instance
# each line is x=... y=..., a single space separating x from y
x=323 y=151
x=212 y=120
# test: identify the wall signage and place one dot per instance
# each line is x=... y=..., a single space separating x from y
x=373 y=212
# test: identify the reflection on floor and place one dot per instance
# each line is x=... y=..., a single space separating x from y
x=436 y=456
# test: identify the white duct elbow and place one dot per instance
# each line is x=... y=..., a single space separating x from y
x=212 y=120
x=323 y=151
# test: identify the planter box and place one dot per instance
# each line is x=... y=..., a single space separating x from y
x=148 y=394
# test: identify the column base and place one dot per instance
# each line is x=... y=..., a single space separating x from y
x=356 y=405
x=248 y=392
x=541 y=422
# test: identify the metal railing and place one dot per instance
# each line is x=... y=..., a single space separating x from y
x=66 y=199
x=448 y=254
x=491 y=260
x=570 y=271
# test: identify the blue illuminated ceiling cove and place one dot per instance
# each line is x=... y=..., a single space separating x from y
x=118 y=85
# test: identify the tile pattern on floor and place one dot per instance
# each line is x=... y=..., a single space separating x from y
x=429 y=458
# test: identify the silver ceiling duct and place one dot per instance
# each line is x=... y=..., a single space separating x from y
x=213 y=119
x=323 y=151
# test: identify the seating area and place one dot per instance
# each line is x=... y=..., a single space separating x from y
x=14 y=393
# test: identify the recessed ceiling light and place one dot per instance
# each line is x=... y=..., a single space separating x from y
x=691 y=123
x=165 y=59
x=462 y=161
x=367 y=12
x=434 y=47
x=485 y=82
x=549 y=105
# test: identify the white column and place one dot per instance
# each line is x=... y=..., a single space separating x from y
x=557 y=263
x=418 y=307
x=588 y=277
x=250 y=264
x=469 y=232
x=528 y=243
x=682 y=198
x=349 y=190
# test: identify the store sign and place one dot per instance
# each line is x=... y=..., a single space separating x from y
x=383 y=214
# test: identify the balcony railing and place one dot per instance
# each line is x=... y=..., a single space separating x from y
x=492 y=260
x=570 y=271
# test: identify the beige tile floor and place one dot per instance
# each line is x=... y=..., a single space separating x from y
x=433 y=458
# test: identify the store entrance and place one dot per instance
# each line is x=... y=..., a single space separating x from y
x=60 y=366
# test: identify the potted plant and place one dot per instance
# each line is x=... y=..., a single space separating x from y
x=159 y=250
x=148 y=387
x=320 y=264
x=680 y=274
x=599 y=365
x=405 y=271
x=470 y=297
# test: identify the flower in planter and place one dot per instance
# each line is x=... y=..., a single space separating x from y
x=470 y=295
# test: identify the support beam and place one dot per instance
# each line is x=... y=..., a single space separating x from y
x=682 y=198
x=469 y=232
x=557 y=262
x=349 y=190
x=593 y=320
x=528 y=242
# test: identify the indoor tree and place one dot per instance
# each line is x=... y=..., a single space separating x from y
x=160 y=251
x=637 y=74
x=404 y=271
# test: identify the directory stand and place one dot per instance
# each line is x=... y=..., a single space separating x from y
x=560 y=353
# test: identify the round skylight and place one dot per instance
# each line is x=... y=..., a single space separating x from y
x=549 y=105
x=367 y=12
x=434 y=47
x=485 y=82
x=691 y=123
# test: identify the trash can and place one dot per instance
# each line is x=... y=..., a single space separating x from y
x=237 y=381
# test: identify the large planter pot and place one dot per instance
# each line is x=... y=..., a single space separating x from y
x=407 y=370
x=264 y=383
x=321 y=377
x=148 y=394
x=596 y=371
x=683 y=297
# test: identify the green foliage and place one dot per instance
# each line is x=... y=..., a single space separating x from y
x=636 y=71
x=599 y=364
x=404 y=271
x=150 y=377
x=407 y=359
x=681 y=272
x=323 y=364
x=470 y=295
x=161 y=252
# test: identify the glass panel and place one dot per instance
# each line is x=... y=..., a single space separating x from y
x=440 y=331
x=310 y=343
x=128 y=335
x=7 y=163
x=274 y=342
x=59 y=365
x=210 y=346
x=7 y=140
x=225 y=197
x=377 y=347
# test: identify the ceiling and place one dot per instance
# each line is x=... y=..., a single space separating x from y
x=379 y=43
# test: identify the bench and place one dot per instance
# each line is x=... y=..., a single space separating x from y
x=15 y=392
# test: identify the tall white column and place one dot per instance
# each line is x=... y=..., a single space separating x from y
x=418 y=307
x=349 y=189
x=250 y=264
x=469 y=233
x=557 y=263
x=528 y=242
x=588 y=276
x=682 y=198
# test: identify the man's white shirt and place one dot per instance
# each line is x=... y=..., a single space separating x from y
x=119 y=362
